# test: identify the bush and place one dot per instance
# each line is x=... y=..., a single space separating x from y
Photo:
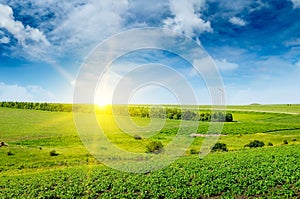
x=137 y=137
x=154 y=147
x=193 y=151
x=9 y=153
x=255 y=144
x=228 y=117
x=285 y=142
x=53 y=153
x=219 y=147
x=294 y=139
x=270 y=144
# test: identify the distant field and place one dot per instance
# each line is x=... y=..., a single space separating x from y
x=32 y=134
x=283 y=108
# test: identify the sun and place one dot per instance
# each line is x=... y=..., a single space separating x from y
x=102 y=104
x=102 y=98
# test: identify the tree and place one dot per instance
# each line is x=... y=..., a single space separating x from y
x=255 y=144
x=228 y=117
x=219 y=147
x=189 y=115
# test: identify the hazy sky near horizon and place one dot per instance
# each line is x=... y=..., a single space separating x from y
x=255 y=44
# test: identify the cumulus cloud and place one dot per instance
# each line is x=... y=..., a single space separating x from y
x=30 y=93
x=224 y=65
x=187 y=18
x=237 y=21
x=4 y=40
x=22 y=33
x=89 y=24
x=296 y=3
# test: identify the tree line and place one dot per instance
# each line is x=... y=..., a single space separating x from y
x=123 y=110
x=44 y=106
x=173 y=113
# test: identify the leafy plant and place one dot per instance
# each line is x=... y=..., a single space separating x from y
x=270 y=144
x=285 y=142
x=219 y=147
x=255 y=144
x=154 y=147
x=194 y=151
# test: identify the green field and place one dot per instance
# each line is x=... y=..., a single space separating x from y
x=28 y=171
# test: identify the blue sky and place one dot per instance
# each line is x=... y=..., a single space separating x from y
x=255 y=44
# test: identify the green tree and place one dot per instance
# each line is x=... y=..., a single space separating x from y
x=228 y=117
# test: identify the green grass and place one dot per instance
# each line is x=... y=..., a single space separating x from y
x=294 y=108
x=272 y=171
x=267 y=173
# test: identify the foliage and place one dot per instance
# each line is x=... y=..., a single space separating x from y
x=194 y=151
x=53 y=153
x=285 y=142
x=154 y=147
x=255 y=144
x=270 y=144
x=137 y=137
x=38 y=106
x=9 y=153
x=260 y=173
x=228 y=117
x=133 y=110
x=219 y=147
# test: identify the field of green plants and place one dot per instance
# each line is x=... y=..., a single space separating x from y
x=45 y=158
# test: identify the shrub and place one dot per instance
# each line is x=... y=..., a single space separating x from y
x=294 y=139
x=137 y=137
x=154 y=147
x=219 y=147
x=228 y=117
x=255 y=144
x=53 y=153
x=193 y=151
x=9 y=153
x=285 y=142
x=270 y=144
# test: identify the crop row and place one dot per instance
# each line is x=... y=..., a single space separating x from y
x=268 y=172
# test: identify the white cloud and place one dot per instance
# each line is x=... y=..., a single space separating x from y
x=89 y=24
x=30 y=93
x=203 y=65
x=293 y=42
x=4 y=40
x=237 y=21
x=187 y=19
x=22 y=33
x=259 y=4
x=296 y=3
x=223 y=65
